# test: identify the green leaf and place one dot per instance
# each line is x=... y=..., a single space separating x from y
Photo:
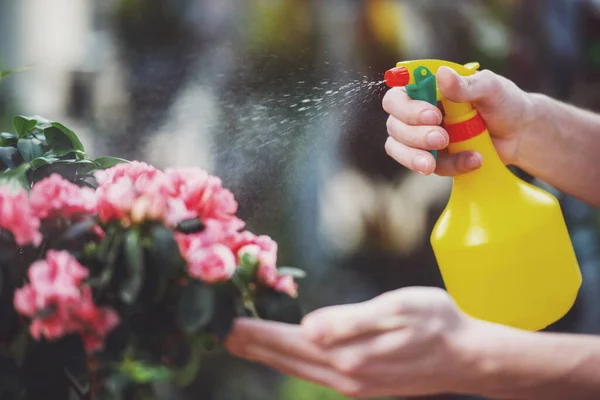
x=7 y=139
x=144 y=373
x=30 y=148
x=190 y=226
x=23 y=125
x=7 y=72
x=164 y=248
x=277 y=306
x=226 y=297
x=196 y=307
x=185 y=376
x=60 y=137
x=16 y=178
x=108 y=162
x=114 y=387
x=74 y=359
x=295 y=272
x=10 y=157
x=165 y=255
x=18 y=347
x=247 y=270
x=58 y=153
x=79 y=229
x=40 y=162
x=134 y=256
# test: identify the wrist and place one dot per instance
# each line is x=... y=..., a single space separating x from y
x=536 y=121
x=489 y=352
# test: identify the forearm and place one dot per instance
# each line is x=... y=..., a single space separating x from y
x=524 y=365
x=562 y=148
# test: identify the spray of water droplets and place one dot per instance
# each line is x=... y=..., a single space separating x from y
x=255 y=132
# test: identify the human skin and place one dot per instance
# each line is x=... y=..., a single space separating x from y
x=415 y=341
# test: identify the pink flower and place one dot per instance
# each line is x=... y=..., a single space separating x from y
x=140 y=173
x=94 y=322
x=59 y=303
x=262 y=247
x=210 y=264
x=287 y=285
x=17 y=217
x=204 y=195
x=55 y=195
x=133 y=192
x=115 y=200
x=57 y=278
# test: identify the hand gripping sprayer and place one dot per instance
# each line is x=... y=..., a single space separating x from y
x=501 y=244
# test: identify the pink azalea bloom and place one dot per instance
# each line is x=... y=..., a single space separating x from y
x=94 y=322
x=202 y=193
x=57 y=277
x=17 y=217
x=59 y=303
x=210 y=264
x=262 y=247
x=115 y=200
x=133 y=192
x=287 y=285
x=55 y=195
x=140 y=173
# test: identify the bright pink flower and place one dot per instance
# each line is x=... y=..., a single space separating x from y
x=55 y=195
x=17 y=217
x=210 y=264
x=59 y=303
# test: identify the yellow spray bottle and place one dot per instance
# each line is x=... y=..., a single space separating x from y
x=501 y=244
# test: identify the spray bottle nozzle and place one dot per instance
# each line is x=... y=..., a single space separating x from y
x=398 y=76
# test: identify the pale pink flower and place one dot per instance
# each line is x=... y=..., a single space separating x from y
x=56 y=196
x=210 y=264
x=17 y=217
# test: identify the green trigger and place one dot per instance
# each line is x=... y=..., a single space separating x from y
x=424 y=89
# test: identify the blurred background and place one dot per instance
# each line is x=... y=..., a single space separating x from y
x=282 y=99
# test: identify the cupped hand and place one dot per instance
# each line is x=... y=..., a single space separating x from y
x=412 y=341
x=413 y=125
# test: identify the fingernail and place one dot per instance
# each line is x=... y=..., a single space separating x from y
x=472 y=162
x=429 y=117
x=421 y=164
x=436 y=140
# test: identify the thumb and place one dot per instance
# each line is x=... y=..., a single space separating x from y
x=484 y=88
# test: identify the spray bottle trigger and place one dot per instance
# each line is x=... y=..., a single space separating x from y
x=425 y=89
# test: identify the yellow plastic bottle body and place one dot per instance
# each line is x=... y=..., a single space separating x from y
x=503 y=248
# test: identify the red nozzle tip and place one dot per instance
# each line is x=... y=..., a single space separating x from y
x=398 y=76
